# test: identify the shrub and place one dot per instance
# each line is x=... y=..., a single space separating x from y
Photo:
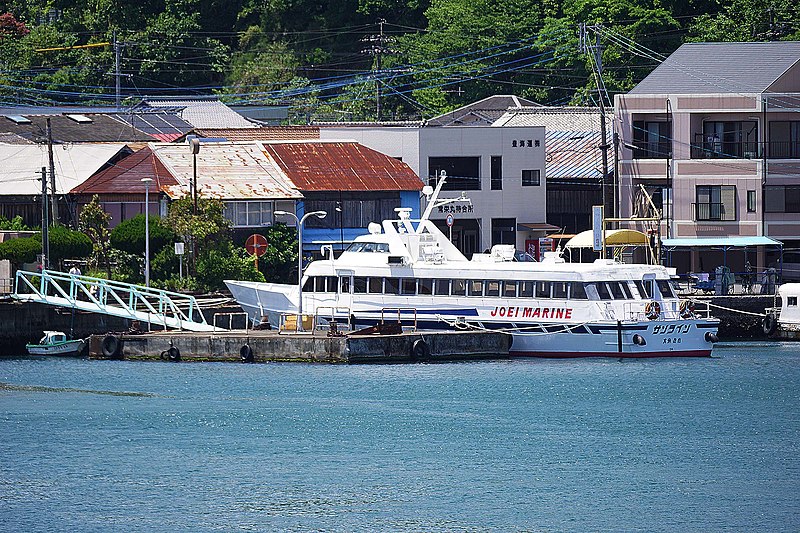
x=21 y=250
x=129 y=235
x=67 y=244
x=225 y=262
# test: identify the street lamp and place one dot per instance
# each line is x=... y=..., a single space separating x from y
x=300 y=221
x=195 y=145
x=147 y=182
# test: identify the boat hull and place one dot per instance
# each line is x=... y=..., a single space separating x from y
x=72 y=348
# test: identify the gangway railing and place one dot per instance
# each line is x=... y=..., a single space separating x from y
x=108 y=297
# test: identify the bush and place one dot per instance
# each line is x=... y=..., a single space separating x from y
x=21 y=250
x=225 y=262
x=129 y=235
x=165 y=265
x=67 y=244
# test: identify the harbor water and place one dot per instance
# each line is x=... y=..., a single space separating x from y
x=512 y=445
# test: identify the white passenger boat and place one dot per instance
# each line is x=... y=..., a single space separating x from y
x=56 y=343
x=409 y=269
x=783 y=322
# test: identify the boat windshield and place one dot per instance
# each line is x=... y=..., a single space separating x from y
x=362 y=246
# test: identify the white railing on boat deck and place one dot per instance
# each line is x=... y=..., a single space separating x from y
x=114 y=298
x=669 y=310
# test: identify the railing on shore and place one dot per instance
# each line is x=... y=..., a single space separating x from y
x=763 y=283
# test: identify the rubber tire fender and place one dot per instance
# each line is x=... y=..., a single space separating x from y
x=111 y=346
x=769 y=324
x=246 y=354
x=420 y=350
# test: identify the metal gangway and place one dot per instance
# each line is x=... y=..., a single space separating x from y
x=124 y=300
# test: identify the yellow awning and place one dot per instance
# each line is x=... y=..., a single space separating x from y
x=614 y=237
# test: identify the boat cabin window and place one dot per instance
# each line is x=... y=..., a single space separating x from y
x=425 y=286
x=645 y=288
x=442 y=287
x=560 y=289
x=391 y=286
x=458 y=287
x=791 y=301
x=665 y=287
x=344 y=284
x=493 y=288
x=510 y=289
x=308 y=285
x=475 y=287
x=602 y=290
x=626 y=289
x=526 y=289
x=375 y=285
x=616 y=290
x=577 y=291
x=408 y=286
x=359 y=284
x=382 y=247
x=543 y=289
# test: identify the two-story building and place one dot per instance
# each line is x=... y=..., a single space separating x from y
x=713 y=135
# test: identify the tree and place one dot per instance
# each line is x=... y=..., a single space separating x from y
x=67 y=244
x=129 y=235
x=749 y=20
x=21 y=250
x=225 y=262
x=93 y=221
x=280 y=260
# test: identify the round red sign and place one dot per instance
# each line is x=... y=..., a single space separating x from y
x=256 y=244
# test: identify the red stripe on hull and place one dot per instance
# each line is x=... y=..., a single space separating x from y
x=634 y=355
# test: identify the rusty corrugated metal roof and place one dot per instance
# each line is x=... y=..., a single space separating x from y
x=267 y=133
x=341 y=166
x=226 y=171
x=125 y=176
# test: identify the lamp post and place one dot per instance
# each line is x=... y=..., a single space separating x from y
x=147 y=182
x=300 y=221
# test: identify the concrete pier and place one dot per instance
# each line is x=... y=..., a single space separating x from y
x=271 y=346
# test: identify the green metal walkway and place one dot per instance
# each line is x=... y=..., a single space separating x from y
x=124 y=300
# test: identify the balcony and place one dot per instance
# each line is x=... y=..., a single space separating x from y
x=702 y=148
x=713 y=211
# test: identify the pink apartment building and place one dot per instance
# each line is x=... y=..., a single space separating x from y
x=713 y=135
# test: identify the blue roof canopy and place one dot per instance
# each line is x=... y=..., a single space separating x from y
x=719 y=242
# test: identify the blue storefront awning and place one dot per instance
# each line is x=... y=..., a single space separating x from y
x=719 y=242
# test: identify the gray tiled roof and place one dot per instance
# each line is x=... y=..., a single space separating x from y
x=708 y=68
x=480 y=113
x=555 y=118
x=203 y=113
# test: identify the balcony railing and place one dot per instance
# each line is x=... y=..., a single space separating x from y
x=703 y=148
x=713 y=211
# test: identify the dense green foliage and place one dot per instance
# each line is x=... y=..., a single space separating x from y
x=67 y=244
x=321 y=58
x=129 y=235
x=279 y=262
x=15 y=224
x=21 y=250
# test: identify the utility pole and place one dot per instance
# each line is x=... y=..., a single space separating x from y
x=45 y=229
x=53 y=202
x=377 y=48
x=117 y=73
x=597 y=70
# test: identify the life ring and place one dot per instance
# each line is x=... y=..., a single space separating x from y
x=769 y=324
x=111 y=346
x=246 y=353
x=686 y=309
x=420 y=350
x=652 y=310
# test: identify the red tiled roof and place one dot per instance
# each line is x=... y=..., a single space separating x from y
x=341 y=166
x=125 y=176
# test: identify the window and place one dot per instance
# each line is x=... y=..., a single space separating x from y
x=665 y=287
x=791 y=301
x=645 y=288
x=560 y=289
x=375 y=285
x=492 y=288
x=475 y=287
x=602 y=291
x=504 y=231
x=526 y=289
x=510 y=289
x=652 y=139
x=425 y=286
x=577 y=291
x=626 y=289
x=530 y=178
x=344 y=283
x=784 y=140
x=359 y=285
x=463 y=173
x=496 y=172
x=782 y=199
x=458 y=287
x=715 y=202
x=248 y=214
x=408 y=286
x=751 y=201
x=442 y=287
x=727 y=140
x=543 y=289
x=392 y=286
x=616 y=290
